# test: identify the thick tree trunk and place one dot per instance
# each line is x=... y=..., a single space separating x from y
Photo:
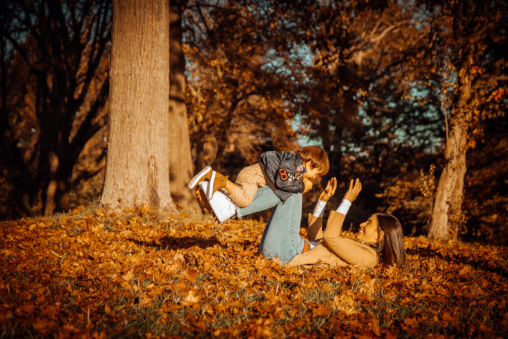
x=137 y=165
x=180 y=158
x=450 y=189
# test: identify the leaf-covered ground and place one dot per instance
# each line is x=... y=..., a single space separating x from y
x=96 y=274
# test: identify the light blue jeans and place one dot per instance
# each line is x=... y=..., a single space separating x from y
x=281 y=237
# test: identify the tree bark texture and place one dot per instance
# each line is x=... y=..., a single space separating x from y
x=180 y=158
x=137 y=168
x=450 y=189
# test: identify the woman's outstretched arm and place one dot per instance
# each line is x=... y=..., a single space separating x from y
x=344 y=249
x=315 y=230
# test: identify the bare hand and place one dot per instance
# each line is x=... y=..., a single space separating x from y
x=308 y=185
x=353 y=191
x=329 y=191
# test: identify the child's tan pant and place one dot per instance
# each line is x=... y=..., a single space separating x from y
x=248 y=181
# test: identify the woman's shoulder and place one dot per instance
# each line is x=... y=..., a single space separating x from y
x=366 y=256
x=369 y=251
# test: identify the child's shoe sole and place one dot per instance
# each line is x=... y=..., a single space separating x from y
x=209 y=194
x=194 y=181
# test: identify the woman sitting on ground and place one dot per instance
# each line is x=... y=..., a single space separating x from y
x=380 y=235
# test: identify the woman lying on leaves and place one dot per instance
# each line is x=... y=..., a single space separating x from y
x=380 y=234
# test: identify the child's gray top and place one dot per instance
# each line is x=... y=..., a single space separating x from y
x=283 y=173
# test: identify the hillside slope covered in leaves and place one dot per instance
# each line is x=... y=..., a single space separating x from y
x=95 y=274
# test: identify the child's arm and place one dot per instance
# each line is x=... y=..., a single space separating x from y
x=307 y=184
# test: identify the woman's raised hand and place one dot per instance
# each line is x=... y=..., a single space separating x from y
x=353 y=191
x=329 y=191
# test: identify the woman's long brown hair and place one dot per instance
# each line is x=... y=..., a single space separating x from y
x=391 y=246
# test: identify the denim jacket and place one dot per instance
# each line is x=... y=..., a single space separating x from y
x=283 y=173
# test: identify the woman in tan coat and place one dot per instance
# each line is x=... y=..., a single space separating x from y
x=380 y=236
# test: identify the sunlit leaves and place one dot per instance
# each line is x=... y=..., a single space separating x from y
x=98 y=273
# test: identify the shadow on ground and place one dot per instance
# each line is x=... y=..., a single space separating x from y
x=172 y=243
x=477 y=263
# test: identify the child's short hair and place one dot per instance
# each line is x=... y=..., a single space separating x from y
x=317 y=158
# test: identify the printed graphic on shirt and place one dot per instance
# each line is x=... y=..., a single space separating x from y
x=300 y=169
x=283 y=174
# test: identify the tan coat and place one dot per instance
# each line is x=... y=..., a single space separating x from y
x=247 y=183
x=333 y=249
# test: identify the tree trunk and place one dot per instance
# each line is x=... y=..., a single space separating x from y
x=448 y=201
x=138 y=159
x=200 y=155
x=180 y=158
x=63 y=195
x=331 y=139
x=50 y=204
x=224 y=132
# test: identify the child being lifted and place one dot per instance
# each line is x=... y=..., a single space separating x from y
x=286 y=173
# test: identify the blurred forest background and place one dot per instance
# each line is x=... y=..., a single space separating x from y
x=380 y=85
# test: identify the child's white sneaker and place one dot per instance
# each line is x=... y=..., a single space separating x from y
x=220 y=204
